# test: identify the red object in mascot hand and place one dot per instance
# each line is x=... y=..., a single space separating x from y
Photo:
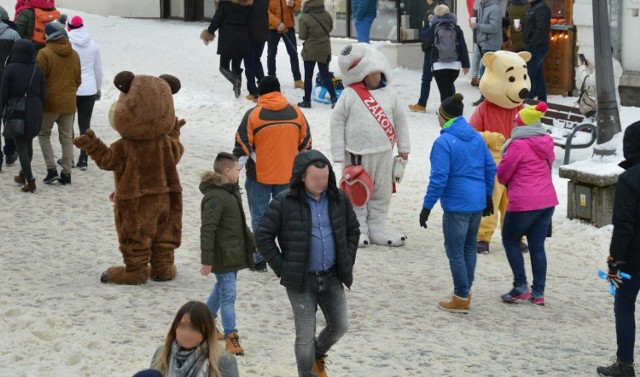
x=357 y=184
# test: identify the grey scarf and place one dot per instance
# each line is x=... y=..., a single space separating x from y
x=188 y=363
x=523 y=132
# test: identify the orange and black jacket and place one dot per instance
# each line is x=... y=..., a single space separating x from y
x=276 y=131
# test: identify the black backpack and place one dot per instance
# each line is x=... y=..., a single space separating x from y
x=445 y=43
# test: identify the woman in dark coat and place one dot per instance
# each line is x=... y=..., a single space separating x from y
x=232 y=19
x=15 y=81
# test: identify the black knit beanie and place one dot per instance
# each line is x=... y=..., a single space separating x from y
x=268 y=84
x=452 y=107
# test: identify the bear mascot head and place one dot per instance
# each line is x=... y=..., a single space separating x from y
x=148 y=196
x=358 y=60
x=505 y=81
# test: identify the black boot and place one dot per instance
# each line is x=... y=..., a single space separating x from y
x=82 y=161
x=65 y=179
x=52 y=176
x=617 y=369
x=11 y=159
x=333 y=102
x=304 y=104
x=237 y=86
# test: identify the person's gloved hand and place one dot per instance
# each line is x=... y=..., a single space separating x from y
x=207 y=37
x=488 y=210
x=424 y=217
x=614 y=271
x=98 y=95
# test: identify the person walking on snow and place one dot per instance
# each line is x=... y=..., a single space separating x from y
x=232 y=19
x=366 y=124
x=91 y=65
x=282 y=26
x=462 y=174
x=315 y=25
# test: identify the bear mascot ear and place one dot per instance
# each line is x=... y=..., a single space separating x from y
x=488 y=58
x=173 y=82
x=526 y=55
x=123 y=80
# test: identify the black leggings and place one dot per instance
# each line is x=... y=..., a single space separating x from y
x=309 y=66
x=235 y=63
x=85 y=110
x=24 y=147
x=445 y=79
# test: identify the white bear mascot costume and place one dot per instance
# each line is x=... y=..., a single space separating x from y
x=357 y=134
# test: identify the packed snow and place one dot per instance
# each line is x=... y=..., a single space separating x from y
x=57 y=319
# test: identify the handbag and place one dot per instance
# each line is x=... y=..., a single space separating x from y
x=356 y=182
x=586 y=104
x=14 y=114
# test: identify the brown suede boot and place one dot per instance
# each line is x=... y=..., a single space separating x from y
x=219 y=334
x=456 y=305
x=233 y=344
x=30 y=186
x=319 y=367
x=123 y=275
x=20 y=178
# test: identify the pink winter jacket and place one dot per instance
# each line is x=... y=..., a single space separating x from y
x=526 y=171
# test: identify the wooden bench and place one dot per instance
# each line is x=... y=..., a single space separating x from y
x=564 y=123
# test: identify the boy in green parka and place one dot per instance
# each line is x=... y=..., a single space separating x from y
x=226 y=243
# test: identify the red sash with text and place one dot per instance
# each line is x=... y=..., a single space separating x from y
x=372 y=105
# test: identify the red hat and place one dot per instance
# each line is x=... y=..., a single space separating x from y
x=75 y=22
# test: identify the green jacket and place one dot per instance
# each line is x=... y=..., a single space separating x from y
x=226 y=243
x=314 y=27
x=517 y=11
x=25 y=23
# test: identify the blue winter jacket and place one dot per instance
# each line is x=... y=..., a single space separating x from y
x=462 y=170
x=362 y=9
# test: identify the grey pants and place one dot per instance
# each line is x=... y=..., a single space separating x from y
x=65 y=136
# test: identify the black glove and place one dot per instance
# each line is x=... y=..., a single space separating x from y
x=98 y=95
x=424 y=217
x=614 y=271
x=488 y=210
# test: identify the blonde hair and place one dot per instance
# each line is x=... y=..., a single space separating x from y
x=441 y=10
x=202 y=320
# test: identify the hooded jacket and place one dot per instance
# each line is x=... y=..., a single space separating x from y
x=62 y=72
x=489 y=35
x=232 y=19
x=8 y=36
x=271 y=135
x=288 y=218
x=90 y=61
x=537 y=23
x=525 y=170
x=625 y=241
x=314 y=28
x=460 y=178
x=226 y=243
x=280 y=12
x=17 y=74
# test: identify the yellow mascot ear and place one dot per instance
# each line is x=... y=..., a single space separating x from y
x=488 y=59
x=526 y=55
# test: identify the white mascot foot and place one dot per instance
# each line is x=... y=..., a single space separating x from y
x=389 y=239
x=364 y=240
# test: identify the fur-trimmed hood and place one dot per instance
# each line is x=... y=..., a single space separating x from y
x=356 y=61
x=210 y=179
x=244 y=3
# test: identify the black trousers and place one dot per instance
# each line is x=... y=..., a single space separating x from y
x=309 y=66
x=445 y=79
x=24 y=147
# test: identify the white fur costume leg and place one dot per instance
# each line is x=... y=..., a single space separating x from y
x=373 y=215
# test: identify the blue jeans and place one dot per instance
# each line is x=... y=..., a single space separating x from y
x=253 y=70
x=223 y=298
x=427 y=76
x=328 y=292
x=272 y=50
x=534 y=225
x=535 y=66
x=460 y=234
x=476 y=61
x=259 y=196
x=625 y=307
x=363 y=28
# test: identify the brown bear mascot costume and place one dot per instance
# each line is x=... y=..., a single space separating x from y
x=148 y=198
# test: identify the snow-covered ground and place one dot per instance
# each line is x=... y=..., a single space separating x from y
x=57 y=319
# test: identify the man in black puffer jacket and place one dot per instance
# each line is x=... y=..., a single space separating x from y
x=624 y=253
x=318 y=234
